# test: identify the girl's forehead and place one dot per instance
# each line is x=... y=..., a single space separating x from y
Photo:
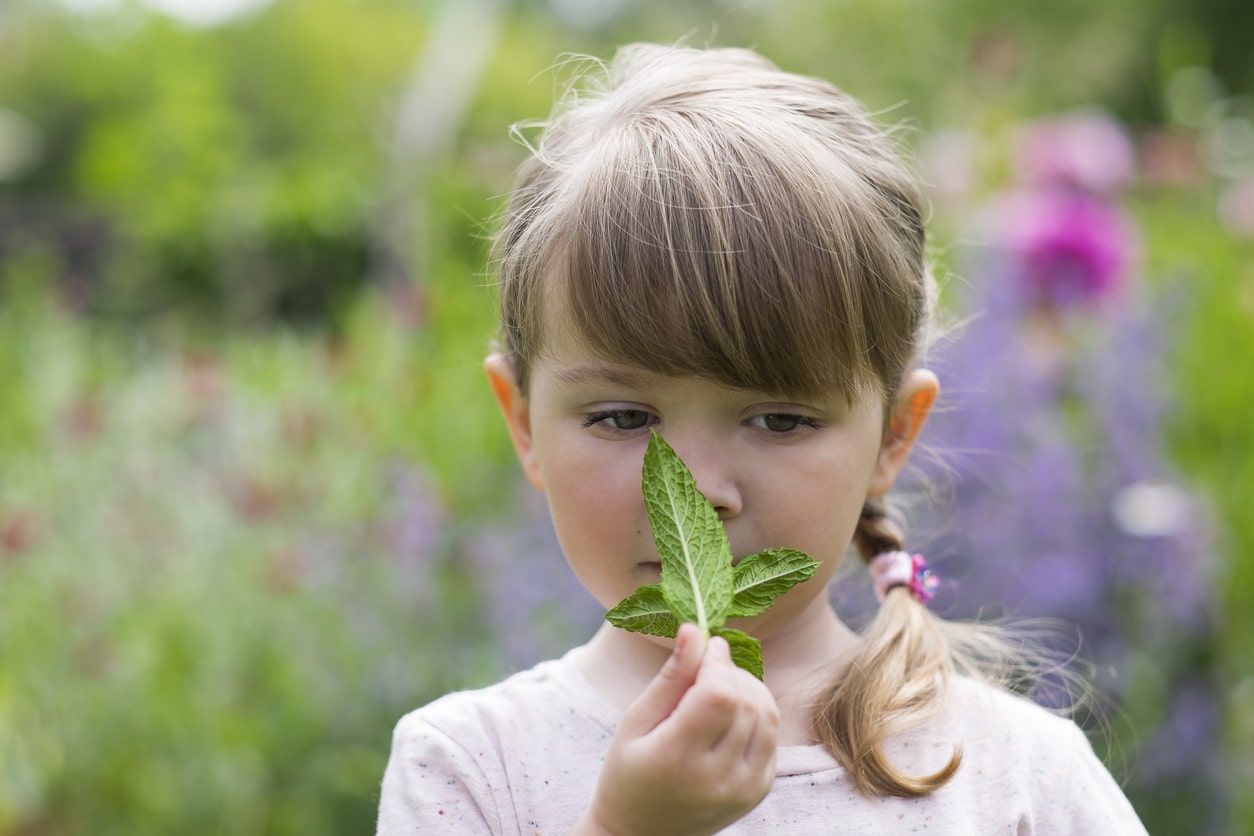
x=571 y=360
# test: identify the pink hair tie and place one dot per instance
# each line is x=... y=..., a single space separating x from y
x=891 y=569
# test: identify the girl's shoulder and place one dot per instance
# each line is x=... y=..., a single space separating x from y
x=526 y=704
x=995 y=721
x=1013 y=748
x=997 y=733
x=488 y=759
x=977 y=700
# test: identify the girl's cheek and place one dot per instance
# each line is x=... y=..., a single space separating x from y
x=598 y=499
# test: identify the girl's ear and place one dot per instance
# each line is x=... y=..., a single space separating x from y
x=516 y=409
x=905 y=421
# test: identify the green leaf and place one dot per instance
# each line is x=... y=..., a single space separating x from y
x=696 y=558
x=761 y=578
x=645 y=611
x=746 y=651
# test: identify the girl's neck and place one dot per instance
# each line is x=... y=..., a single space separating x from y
x=799 y=659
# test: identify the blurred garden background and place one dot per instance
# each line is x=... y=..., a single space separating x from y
x=255 y=503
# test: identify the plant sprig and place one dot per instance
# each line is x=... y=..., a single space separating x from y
x=699 y=583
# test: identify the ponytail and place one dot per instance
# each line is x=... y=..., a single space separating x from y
x=897 y=680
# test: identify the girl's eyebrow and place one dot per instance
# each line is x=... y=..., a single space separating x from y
x=582 y=375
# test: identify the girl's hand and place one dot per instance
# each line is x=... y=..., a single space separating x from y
x=694 y=753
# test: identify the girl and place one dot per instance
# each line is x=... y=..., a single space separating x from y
x=729 y=254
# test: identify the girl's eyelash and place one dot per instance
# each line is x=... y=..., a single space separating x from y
x=786 y=424
x=592 y=419
x=798 y=421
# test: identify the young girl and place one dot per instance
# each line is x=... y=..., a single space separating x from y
x=731 y=255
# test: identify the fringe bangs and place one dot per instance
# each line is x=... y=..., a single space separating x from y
x=690 y=244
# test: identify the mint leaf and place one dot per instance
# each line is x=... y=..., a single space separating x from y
x=645 y=611
x=698 y=582
x=746 y=651
x=696 y=558
x=761 y=578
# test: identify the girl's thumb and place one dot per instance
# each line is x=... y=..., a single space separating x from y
x=663 y=694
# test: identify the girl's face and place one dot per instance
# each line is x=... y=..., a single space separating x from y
x=781 y=471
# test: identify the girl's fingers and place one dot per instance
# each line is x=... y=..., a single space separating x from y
x=670 y=685
x=761 y=746
x=754 y=731
x=698 y=746
x=721 y=710
x=709 y=706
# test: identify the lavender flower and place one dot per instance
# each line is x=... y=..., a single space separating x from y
x=1054 y=432
x=414 y=524
x=535 y=603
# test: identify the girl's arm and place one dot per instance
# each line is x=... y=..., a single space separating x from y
x=693 y=754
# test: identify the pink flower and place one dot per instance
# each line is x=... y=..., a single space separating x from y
x=1068 y=246
x=1086 y=150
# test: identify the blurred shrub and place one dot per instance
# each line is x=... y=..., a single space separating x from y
x=225 y=574
x=1209 y=433
x=244 y=172
x=225 y=173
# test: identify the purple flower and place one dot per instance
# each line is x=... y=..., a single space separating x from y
x=1086 y=150
x=1061 y=500
x=1187 y=735
x=534 y=602
x=413 y=524
x=1066 y=247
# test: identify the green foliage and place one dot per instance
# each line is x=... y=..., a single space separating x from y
x=230 y=171
x=245 y=180
x=209 y=624
x=1210 y=426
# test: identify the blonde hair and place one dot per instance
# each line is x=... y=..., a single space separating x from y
x=701 y=212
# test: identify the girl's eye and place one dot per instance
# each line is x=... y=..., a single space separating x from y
x=622 y=420
x=782 y=423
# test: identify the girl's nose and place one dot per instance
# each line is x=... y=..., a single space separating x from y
x=714 y=470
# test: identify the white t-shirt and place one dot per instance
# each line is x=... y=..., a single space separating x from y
x=521 y=758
